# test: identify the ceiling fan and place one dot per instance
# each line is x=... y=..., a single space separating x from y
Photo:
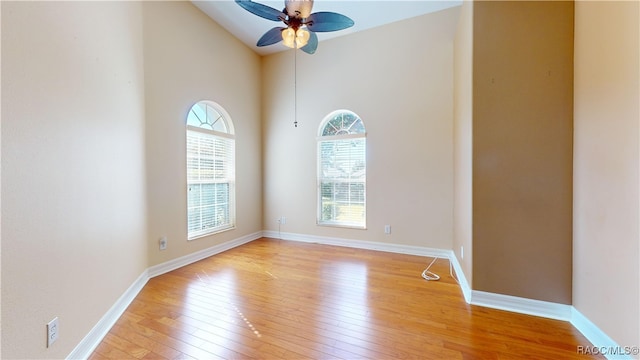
x=302 y=25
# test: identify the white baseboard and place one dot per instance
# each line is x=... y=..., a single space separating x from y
x=89 y=343
x=177 y=263
x=360 y=244
x=597 y=337
x=521 y=305
x=509 y=303
x=462 y=280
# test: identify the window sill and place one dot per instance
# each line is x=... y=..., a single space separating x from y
x=344 y=226
x=214 y=232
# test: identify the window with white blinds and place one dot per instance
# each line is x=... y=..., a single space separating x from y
x=210 y=171
x=342 y=170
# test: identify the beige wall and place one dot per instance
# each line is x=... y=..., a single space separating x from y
x=119 y=79
x=463 y=142
x=0 y=194
x=102 y=185
x=399 y=80
x=606 y=278
x=522 y=149
x=188 y=58
x=73 y=181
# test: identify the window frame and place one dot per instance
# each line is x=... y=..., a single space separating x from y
x=228 y=143
x=321 y=179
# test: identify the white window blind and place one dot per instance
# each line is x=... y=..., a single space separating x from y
x=342 y=171
x=210 y=182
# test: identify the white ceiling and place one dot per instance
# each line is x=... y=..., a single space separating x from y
x=365 y=13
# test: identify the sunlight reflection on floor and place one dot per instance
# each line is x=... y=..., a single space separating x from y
x=226 y=280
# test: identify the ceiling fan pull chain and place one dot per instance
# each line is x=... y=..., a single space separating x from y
x=295 y=87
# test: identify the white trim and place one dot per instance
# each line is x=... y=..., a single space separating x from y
x=89 y=343
x=462 y=280
x=509 y=303
x=177 y=263
x=597 y=337
x=521 y=305
x=360 y=244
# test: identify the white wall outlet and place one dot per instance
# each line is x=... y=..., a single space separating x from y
x=461 y=252
x=52 y=331
x=283 y=220
x=163 y=243
x=387 y=229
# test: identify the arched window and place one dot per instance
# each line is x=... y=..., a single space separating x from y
x=342 y=171
x=210 y=170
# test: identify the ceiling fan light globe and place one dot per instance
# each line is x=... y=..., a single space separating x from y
x=289 y=37
x=302 y=37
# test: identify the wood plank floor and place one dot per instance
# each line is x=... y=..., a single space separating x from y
x=273 y=299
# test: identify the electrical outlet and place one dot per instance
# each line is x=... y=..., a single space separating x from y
x=283 y=220
x=461 y=252
x=387 y=229
x=52 y=331
x=163 y=243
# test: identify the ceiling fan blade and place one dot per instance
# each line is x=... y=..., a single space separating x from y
x=312 y=45
x=326 y=21
x=261 y=10
x=271 y=37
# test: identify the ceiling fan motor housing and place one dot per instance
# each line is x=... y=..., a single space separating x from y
x=298 y=8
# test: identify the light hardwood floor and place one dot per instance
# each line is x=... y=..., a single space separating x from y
x=273 y=299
